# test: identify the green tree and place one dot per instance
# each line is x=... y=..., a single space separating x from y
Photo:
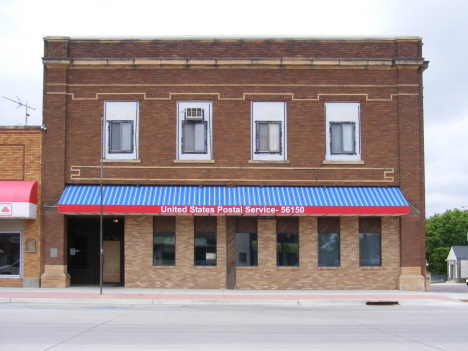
x=442 y=232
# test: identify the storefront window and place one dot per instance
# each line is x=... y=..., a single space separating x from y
x=246 y=249
x=10 y=253
x=163 y=249
x=329 y=249
x=369 y=242
x=205 y=241
x=164 y=241
x=205 y=249
x=287 y=242
x=287 y=247
x=328 y=242
x=369 y=249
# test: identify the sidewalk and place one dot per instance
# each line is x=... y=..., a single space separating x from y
x=116 y=295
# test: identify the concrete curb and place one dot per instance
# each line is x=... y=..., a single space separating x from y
x=224 y=302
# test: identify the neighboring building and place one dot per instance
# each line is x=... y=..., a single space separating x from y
x=20 y=217
x=235 y=163
x=457 y=264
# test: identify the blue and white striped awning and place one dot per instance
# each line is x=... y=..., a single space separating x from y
x=217 y=200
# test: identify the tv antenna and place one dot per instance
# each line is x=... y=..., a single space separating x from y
x=20 y=104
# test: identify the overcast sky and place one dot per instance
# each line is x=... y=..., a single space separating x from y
x=443 y=25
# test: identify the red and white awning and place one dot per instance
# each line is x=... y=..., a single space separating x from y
x=18 y=199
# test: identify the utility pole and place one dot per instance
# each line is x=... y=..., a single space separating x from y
x=20 y=104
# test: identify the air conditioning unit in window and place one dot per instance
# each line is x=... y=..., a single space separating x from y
x=194 y=114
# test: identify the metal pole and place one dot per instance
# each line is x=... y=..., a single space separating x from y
x=100 y=229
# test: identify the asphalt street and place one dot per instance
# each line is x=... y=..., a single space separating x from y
x=111 y=327
x=447 y=287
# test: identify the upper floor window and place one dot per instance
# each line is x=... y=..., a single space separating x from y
x=269 y=137
x=268 y=131
x=342 y=138
x=194 y=130
x=342 y=131
x=194 y=137
x=121 y=136
x=121 y=130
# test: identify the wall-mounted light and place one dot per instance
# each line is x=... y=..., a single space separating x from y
x=115 y=221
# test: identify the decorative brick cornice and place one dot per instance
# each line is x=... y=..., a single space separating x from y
x=236 y=63
x=234 y=39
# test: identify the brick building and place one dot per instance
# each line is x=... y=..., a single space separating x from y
x=20 y=187
x=235 y=163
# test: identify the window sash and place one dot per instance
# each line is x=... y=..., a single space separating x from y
x=287 y=248
x=120 y=136
x=10 y=257
x=194 y=137
x=247 y=242
x=370 y=249
x=329 y=249
x=163 y=249
x=342 y=138
x=205 y=249
x=269 y=137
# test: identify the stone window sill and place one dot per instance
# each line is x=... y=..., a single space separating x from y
x=194 y=161
x=343 y=162
x=292 y=267
x=270 y=161
x=205 y=267
x=164 y=267
x=121 y=161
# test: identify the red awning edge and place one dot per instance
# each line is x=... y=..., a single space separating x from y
x=18 y=191
x=18 y=199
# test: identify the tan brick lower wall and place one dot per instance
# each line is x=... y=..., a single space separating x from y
x=308 y=275
x=139 y=269
x=11 y=283
x=32 y=260
x=140 y=272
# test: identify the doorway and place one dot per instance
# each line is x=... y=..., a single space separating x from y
x=111 y=262
x=83 y=250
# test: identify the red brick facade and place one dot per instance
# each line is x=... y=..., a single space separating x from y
x=383 y=75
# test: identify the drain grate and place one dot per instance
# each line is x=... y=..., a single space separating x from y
x=382 y=303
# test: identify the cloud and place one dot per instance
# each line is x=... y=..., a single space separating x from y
x=446 y=148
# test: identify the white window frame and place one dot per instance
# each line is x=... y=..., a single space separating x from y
x=342 y=113
x=126 y=112
x=207 y=107
x=20 y=268
x=268 y=112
